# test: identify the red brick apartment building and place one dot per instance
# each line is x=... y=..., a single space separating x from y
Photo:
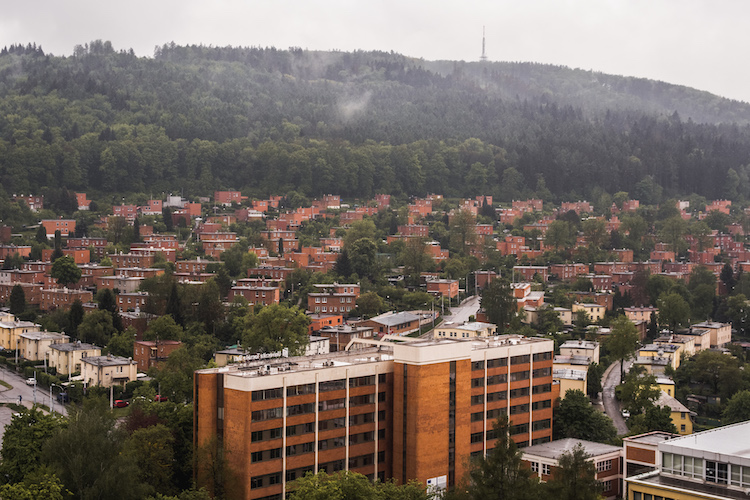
x=65 y=226
x=408 y=410
x=148 y=353
x=265 y=295
x=333 y=298
x=62 y=298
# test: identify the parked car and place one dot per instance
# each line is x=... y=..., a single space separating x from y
x=159 y=398
x=30 y=381
x=121 y=403
x=625 y=414
x=62 y=397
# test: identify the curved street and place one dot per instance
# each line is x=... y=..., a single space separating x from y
x=610 y=380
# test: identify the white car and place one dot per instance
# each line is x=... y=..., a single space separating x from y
x=30 y=381
x=625 y=414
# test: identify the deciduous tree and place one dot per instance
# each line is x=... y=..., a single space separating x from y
x=499 y=303
x=65 y=271
x=274 y=328
x=577 y=418
x=622 y=341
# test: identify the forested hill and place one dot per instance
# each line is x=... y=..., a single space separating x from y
x=265 y=120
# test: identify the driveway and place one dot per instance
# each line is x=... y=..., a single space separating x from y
x=610 y=380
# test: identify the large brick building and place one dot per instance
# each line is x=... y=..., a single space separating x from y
x=407 y=410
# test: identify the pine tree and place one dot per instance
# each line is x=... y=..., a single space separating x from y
x=501 y=474
x=174 y=305
x=17 y=300
x=136 y=230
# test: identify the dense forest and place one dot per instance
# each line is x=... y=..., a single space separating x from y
x=264 y=120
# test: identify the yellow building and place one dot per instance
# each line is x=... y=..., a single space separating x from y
x=666 y=384
x=686 y=342
x=465 y=330
x=10 y=329
x=586 y=348
x=721 y=333
x=713 y=464
x=569 y=380
x=108 y=370
x=680 y=414
x=595 y=311
x=66 y=358
x=655 y=358
x=33 y=346
x=565 y=314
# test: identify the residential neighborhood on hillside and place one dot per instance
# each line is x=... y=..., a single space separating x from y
x=368 y=309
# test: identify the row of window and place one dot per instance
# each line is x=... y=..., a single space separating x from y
x=331 y=385
x=637 y=495
x=334 y=309
x=536 y=467
x=514 y=360
x=342 y=300
x=309 y=427
x=514 y=410
x=708 y=470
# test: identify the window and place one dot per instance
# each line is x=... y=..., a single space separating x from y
x=477 y=382
x=364 y=399
x=300 y=409
x=477 y=365
x=332 y=385
x=545 y=469
x=682 y=428
x=517 y=393
x=299 y=390
x=516 y=376
x=267 y=394
x=542 y=372
x=535 y=467
x=519 y=360
x=716 y=472
x=540 y=389
x=260 y=415
x=362 y=381
x=477 y=437
x=541 y=424
x=606 y=485
x=331 y=404
x=497 y=396
x=494 y=363
x=540 y=405
x=497 y=379
x=604 y=465
x=543 y=356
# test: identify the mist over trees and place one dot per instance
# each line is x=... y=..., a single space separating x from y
x=264 y=120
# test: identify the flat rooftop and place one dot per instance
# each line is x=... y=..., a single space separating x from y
x=654 y=437
x=554 y=449
x=370 y=351
x=579 y=344
x=719 y=441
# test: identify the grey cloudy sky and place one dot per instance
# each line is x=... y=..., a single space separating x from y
x=697 y=43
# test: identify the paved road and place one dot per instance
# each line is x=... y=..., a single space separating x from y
x=25 y=391
x=610 y=380
x=461 y=313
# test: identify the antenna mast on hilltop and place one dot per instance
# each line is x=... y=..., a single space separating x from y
x=484 y=55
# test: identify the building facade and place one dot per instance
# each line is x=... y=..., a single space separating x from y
x=402 y=410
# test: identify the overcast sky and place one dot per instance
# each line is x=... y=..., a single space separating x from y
x=697 y=43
